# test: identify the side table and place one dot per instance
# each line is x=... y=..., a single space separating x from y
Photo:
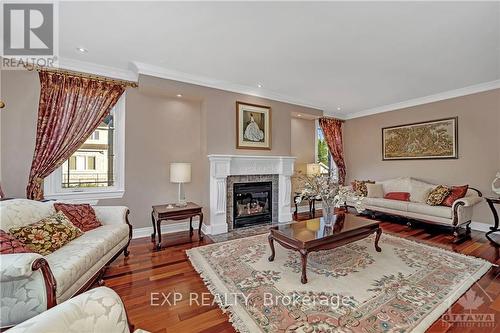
x=162 y=213
x=491 y=202
x=312 y=205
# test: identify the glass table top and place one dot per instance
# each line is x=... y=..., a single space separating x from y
x=316 y=229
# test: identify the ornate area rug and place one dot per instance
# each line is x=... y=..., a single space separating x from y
x=353 y=288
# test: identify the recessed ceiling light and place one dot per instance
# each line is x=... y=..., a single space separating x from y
x=259 y=85
x=299 y=115
x=179 y=95
x=82 y=50
x=338 y=108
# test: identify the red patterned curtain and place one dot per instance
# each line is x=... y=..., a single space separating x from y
x=332 y=129
x=69 y=110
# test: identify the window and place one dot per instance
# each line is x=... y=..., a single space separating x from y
x=95 y=170
x=72 y=163
x=95 y=135
x=323 y=156
x=91 y=163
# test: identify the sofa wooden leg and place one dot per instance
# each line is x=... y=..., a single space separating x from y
x=461 y=234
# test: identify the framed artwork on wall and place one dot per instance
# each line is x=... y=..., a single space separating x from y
x=435 y=139
x=253 y=126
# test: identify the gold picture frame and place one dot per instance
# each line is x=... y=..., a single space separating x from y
x=253 y=126
x=434 y=139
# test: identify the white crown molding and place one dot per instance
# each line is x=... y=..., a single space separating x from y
x=427 y=99
x=164 y=73
x=93 y=68
x=137 y=68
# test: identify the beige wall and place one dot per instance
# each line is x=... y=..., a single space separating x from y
x=20 y=90
x=158 y=131
x=160 y=128
x=479 y=145
x=219 y=108
x=303 y=140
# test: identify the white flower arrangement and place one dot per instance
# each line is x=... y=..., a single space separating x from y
x=324 y=187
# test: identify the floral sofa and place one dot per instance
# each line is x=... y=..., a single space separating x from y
x=31 y=283
x=457 y=216
x=98 y=310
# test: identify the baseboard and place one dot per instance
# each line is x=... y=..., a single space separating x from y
x=165 y=229
x=479 y=226
x=184 y=226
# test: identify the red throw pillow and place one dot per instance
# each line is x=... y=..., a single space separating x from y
x=81 y=215
x=10 y=244
x=456 y=192
x=401 y=196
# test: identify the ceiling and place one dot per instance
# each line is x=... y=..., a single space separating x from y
x=348 y=59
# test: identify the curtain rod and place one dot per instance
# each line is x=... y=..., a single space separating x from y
x=327 y=117
x=81 y=74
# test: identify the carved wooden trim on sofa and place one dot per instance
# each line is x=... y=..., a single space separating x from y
x=49 y=280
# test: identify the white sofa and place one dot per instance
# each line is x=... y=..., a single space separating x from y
x=98 y=310
x=457 y=216
x=31 y=283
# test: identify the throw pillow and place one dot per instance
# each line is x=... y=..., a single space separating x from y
x=359 y=186
x=437 y=195
x=401 y=196
x=48 y=234
x=456 y=193
x=374 y=190
x=9 y=244
x=81 y=215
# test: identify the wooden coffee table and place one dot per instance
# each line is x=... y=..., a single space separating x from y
x=312 y=235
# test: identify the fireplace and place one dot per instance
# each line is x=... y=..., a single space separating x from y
x=252 y=203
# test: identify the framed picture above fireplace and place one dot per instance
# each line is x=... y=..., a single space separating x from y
x=253 y=126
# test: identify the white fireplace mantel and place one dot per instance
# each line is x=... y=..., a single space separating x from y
x=222 y=166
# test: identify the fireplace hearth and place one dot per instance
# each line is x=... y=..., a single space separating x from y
x=252 y=203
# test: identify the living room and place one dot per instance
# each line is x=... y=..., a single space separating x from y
x=245 y=150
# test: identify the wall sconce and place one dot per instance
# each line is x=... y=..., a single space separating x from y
x=2 y=104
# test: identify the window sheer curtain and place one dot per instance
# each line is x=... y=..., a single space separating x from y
x=70 y=109
x=332 y=130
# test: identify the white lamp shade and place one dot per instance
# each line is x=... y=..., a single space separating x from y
x=180 y=172
x=313 y=169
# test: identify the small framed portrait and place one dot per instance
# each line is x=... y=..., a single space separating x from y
x=253 y=126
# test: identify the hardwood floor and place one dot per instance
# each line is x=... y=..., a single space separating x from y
x=147 y=272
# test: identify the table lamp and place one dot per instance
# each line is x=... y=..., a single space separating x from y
x=180 y=173
x=313 y=169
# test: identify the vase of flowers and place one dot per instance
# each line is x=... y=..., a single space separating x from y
x=332 y=195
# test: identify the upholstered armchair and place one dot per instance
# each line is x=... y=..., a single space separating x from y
x=97 y=310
